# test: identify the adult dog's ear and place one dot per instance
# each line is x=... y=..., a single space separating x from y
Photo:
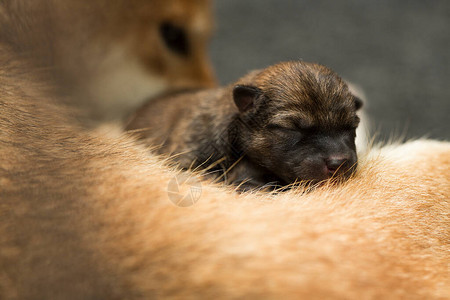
x=244 y=96
x=358 y=102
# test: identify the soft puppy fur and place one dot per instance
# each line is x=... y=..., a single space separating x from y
x=291 y=122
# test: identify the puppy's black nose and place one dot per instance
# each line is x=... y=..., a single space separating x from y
x=336 y=164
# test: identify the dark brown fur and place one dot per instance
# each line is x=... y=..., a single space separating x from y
x=286 y=124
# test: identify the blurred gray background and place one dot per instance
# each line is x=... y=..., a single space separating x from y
x=397 y=51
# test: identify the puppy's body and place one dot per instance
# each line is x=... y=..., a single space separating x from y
x=84 y=216
x=290 y=122
x=106 y=58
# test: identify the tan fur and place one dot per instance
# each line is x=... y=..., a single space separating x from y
x=86 y=216
x=109 y=56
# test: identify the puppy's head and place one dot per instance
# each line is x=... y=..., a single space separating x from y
x=298 y=121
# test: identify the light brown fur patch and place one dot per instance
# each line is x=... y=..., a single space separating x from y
x=107 y=57
x=87 y=216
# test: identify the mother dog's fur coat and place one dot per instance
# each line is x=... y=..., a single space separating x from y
x=85 y=215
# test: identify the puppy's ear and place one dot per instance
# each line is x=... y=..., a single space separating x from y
x=358 y=102
x=244 y=96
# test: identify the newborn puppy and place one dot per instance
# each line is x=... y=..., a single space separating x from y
x=291 y=122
